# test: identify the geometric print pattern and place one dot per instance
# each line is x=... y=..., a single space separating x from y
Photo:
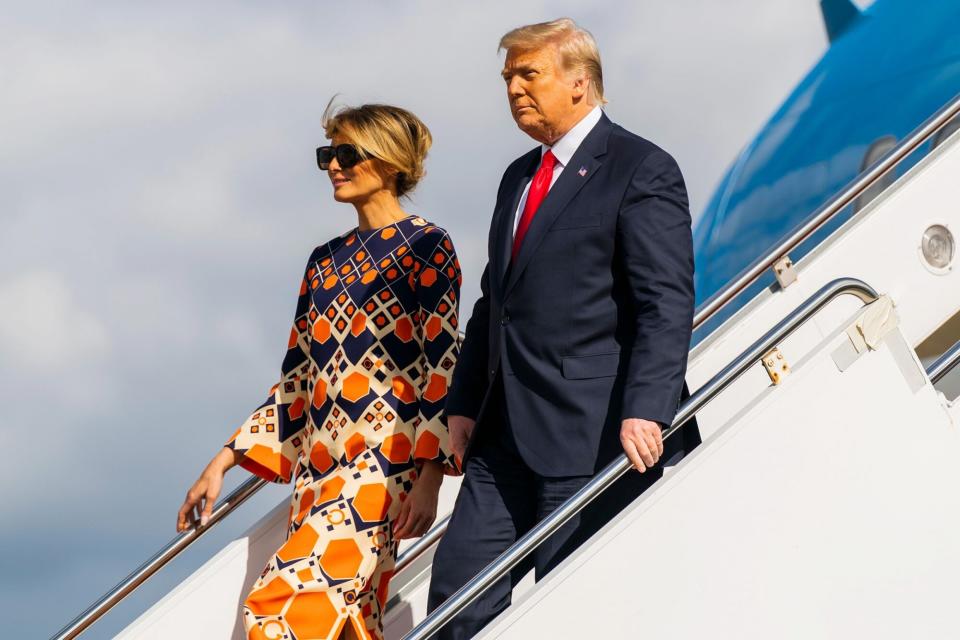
x=358 y=407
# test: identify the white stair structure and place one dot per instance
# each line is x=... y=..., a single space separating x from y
x=881 y=246
x=833 y=518
x=827 y=505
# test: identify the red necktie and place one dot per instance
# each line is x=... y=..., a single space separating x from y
x=538 y=191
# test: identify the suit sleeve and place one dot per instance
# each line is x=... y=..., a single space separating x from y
x=270 y=438
x=438 y=294
x=470 y=376
x=656 y=244
x=470 y=379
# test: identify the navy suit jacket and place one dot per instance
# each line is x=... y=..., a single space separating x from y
x=591 y=323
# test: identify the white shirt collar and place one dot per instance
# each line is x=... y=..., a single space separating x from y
x=564 y=148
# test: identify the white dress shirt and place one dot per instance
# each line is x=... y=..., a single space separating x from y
x=563 y=150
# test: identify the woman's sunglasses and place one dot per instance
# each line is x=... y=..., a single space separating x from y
x=347 y=156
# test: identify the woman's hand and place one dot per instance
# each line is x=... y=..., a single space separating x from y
x=201 y=497
x=419 y=510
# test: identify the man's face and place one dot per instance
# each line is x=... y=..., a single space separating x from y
x=543 y=95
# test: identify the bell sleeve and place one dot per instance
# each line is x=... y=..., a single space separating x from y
x=438 y=294
x=270 y=439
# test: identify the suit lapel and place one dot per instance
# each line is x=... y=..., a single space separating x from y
x=506 y=213
x=581 y=168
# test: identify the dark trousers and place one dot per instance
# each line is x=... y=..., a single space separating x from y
x=499 y=501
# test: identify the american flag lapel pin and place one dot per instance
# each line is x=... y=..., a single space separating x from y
x=582 y=172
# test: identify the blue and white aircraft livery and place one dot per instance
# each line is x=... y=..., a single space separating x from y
x=888 y=68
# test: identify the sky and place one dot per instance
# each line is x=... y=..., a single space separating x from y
x=159 y=197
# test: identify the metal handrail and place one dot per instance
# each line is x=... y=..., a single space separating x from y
x=826 y=212
x=710 y=308
x=525 y=545
x=422 y=544
x=237 y=497
x=944 y=364
x=173 y=548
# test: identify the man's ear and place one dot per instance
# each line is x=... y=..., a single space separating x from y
x=581 y=83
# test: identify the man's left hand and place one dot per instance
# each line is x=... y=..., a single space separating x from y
x=642 y=442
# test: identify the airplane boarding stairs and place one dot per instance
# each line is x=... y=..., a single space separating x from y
x=827 y=507
x=823 y=504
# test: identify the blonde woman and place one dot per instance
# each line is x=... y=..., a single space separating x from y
x=356 y=416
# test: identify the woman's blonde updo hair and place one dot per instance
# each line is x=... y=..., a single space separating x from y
x=391 y=134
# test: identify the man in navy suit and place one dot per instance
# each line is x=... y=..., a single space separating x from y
x=577 y=348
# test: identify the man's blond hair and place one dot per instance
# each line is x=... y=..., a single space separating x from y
x=578 y=50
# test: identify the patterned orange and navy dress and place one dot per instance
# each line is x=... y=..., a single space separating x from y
x=359 y=405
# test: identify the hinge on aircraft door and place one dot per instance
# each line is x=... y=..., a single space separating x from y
x=784 y=272
x=776 y=366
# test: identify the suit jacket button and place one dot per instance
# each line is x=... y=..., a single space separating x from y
x=504 y=320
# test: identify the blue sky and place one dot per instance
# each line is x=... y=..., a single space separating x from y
x=158 y=197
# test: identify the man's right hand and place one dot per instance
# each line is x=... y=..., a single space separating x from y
x=460 y=428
